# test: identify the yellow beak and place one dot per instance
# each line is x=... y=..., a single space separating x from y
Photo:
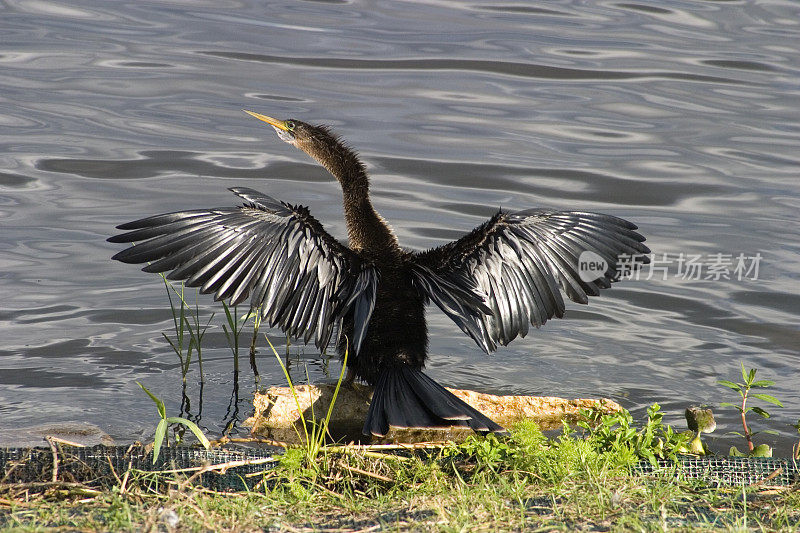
x=274 y=122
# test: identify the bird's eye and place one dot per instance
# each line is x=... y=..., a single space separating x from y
x=290 y=125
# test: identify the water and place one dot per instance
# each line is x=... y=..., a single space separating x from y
x=681 y=117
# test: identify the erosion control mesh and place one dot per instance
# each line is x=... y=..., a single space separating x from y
x=233 y=470
x=106 y=465
x=726 y=471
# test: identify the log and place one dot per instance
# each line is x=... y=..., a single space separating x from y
x=278 y=417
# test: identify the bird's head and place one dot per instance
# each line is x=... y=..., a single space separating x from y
x=316 y=141
x=321 y=144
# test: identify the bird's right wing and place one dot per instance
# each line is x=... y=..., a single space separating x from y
x=303 y=279
x=505 y=274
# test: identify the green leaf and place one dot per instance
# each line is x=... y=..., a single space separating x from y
x=767 y=398
x=159 y=404
x=193 y=427
x=730 y=384
x=748 y=376
x=762 y=383
x=734 y=452
x=762 y=450
x=760 y=412
x=161 y=431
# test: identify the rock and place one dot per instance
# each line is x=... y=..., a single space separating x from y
x=700 y=419
x=83 y=434
x=277 y=413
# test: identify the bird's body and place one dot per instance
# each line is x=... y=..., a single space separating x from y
x=494 y=282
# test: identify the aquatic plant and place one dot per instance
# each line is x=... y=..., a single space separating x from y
x=744 y=389
x=165 y=422
x=183 y=327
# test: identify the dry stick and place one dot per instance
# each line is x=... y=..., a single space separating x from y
x=261 y=440
x=378 y=447
x=222 y=467
x=357 y=470
x=53 y=485
x=67 y=442
x=13 y=503
x=124 y=480
x=111 y=466
x=778 y=471
x=52 y=444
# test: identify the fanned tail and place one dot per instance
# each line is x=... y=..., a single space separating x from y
x=405 y=397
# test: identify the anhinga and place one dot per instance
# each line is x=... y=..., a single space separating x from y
x=493 y=282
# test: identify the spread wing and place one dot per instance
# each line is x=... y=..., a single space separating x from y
x=280 y=256
x=514 y=265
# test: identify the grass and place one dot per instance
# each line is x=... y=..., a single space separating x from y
x=525 y=482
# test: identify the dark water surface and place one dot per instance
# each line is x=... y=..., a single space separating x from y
x=680 y=116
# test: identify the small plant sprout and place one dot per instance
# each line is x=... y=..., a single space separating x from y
x=183 y=326
x=700 y=419
x=164 y=423
x=744 y=389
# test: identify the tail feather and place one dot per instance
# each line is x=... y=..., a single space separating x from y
x=405 y=397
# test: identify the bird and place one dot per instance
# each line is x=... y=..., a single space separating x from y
x=495 y=282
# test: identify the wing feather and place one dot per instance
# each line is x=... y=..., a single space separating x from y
x=514 y=265
x=303 y=280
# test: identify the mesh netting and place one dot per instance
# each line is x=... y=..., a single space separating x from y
x=105 y=465
x=721 y=471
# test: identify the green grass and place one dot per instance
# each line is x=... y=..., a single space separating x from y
x=525 y=482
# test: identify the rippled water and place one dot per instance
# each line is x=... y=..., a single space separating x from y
x=680 y=116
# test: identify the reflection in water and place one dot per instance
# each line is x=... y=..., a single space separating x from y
x=679 y=116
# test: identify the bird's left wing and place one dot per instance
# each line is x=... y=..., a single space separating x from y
x=505 y=274
x=302 y=278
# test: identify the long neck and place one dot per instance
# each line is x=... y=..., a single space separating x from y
x=365 y=227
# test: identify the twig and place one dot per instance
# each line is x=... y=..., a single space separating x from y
x=329 y=491
x=13 y=503
x=778 y=471
x=53 y=485
x=373 y=475
x=125 y=480
x=222 y=467
x=67 y=442
x=50 y=441
x=248 y=440
x=378 y=447
x=376 y=455
x=376 y=527
x=111 y=466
